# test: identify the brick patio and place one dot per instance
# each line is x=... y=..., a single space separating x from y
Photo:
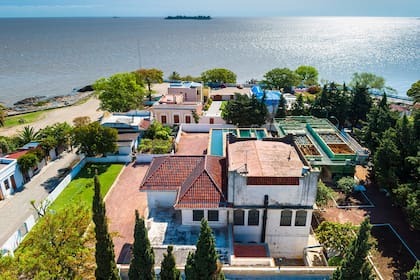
x=121 y=203
x=193 y=144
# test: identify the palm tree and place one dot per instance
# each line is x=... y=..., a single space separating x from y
x=28 y=134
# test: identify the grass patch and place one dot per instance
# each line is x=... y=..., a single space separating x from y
x=80 y=189
x=23 y=119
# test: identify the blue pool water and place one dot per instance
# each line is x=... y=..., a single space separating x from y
x=216 y=147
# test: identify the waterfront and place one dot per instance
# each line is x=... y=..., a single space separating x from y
x=51 y=56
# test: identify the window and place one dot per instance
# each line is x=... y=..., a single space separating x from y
x=12 y=178
x=286 y=218
x=213 y=215
x=163 y=118
x=300 y=218
x=6 y=184
x=188 y=119
x=198 y=215
x=211 y=121
x=253 y=218
x=176 y=118
x=238 y=217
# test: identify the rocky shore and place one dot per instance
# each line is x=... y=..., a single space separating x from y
x=39 y=103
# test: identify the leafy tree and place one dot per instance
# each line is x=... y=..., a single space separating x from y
x=355 y=265
x=8 y=144
x=204 y=264
x=174 y=76
x=414 y=274
x=3 y=115
x=279 y=78
x=405 y=143
x=155 y=146
x=367 y=80
x=281 y=110
x=379 y=119
x=94 y=139
x=244 y=111
x=61 y=132
x=335 y=237
x=150 y=76
x=104 y=253
x=58 y=247
x=414 y=92
x=308 y=75
x=158 y=131
x=298 y=108
x=48 y=143
x=81 y=121
x=8 y=268
x=386 y=162
x=168 y=266
x=120 y=92
x=413 y=208
x=346 y=184
x=360 y=105
x=27 y=135
x=218 y=75
x=26 y=162
x=143 y=259
x=323 y=194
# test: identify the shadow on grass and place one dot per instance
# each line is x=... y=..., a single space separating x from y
x=91 y=169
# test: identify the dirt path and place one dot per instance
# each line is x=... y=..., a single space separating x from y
x=67 y=114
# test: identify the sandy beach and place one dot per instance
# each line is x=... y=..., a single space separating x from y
x=66 y=114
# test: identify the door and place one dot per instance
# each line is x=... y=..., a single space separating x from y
x=163 y=119
x=188 y=119
x=176 y=118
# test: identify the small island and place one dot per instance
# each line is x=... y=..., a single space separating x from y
x=189 y=17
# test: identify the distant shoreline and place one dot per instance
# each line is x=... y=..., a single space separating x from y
x=189 y=17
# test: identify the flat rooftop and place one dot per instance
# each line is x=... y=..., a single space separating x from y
x=265 y=158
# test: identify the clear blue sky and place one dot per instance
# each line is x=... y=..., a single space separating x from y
x=69 y=8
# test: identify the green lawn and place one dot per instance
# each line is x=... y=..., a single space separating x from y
x=28 y=118
x=80 y=189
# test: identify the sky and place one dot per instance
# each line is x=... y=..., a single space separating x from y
x=216 y=8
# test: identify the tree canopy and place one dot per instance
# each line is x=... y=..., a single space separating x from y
x=93 y=139
x=414 y=91
x=203 y=264
x=106 y=268
x=244 y=111
x=120 y=92
x=3 y=115
x=218 y=75
x=335 y=237
x=279 y=78
x=308 y=75
x=143 y=259
x=367 y=80
x=414 y=274
x=150 y=76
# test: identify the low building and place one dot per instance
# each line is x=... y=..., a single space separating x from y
x=174 y=109
x=263 y=190
x=133 y=121
x=11 y=179
x=323 y=145
x=191 y=91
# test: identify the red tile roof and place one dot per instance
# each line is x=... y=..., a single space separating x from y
x=199 y=180
x=17 y=154
x=250 y=250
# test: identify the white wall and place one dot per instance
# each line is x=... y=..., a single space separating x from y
x=284 y=195
x=6 y=173
x=187 y=217
x=216 y=120
x=161 y=199
x=287 y=241
x=245 y=233
x=205 y=127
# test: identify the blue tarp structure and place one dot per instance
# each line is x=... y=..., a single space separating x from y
x=359 y=188
x=272 y=97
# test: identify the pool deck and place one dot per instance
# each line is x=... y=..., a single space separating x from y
x=193 y=144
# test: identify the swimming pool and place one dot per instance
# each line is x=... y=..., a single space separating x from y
x=217 y=137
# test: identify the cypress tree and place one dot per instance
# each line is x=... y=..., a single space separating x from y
x=143 y=260
x=414 y=274
x=106 y=268
x=204 y=264
x=355 y=265
x=168 y=266
x=281 y=110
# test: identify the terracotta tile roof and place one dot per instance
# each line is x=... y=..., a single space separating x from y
x=250 y=250
x=16 y=155
x=199 y=180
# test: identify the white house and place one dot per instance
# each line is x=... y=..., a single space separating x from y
x=272 y=190
x=174 y=109
x=11 y=179
x=191 y=91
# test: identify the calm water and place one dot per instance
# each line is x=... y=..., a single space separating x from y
x=52 y=56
